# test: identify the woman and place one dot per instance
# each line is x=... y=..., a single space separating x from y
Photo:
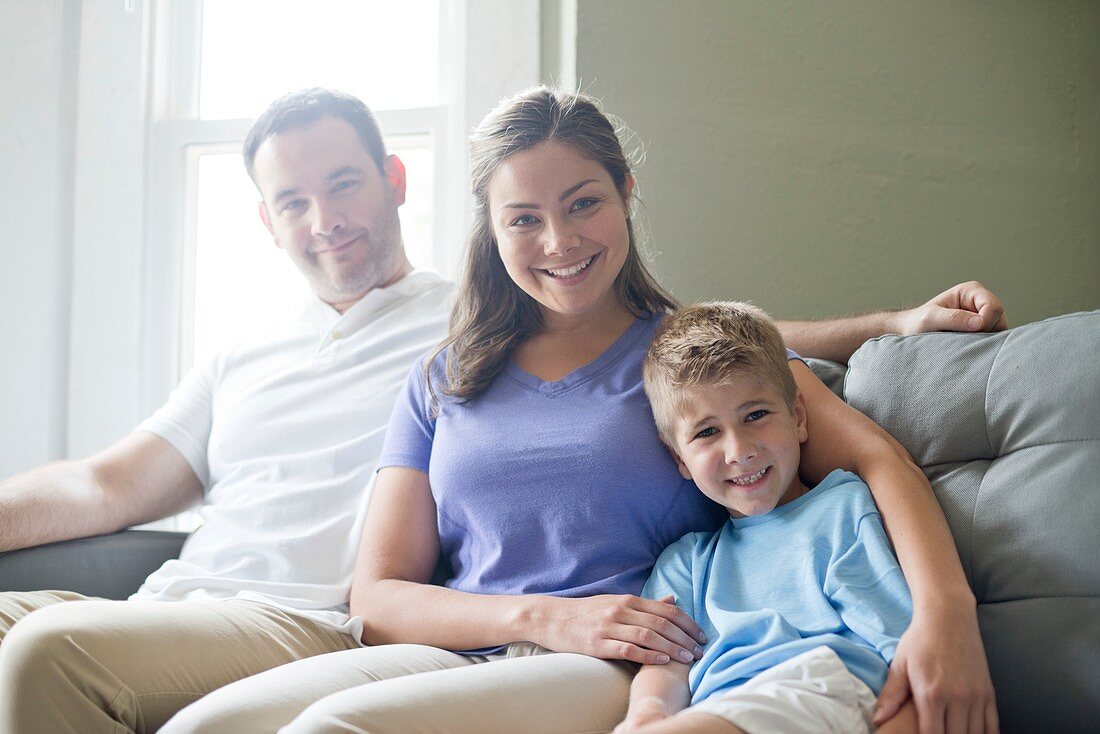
x=524 y=451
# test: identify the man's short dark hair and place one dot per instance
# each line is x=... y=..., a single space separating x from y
x=306 y=106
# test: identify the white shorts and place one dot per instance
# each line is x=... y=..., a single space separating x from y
x=812 y=693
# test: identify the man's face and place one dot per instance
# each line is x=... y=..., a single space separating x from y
x=326 y=203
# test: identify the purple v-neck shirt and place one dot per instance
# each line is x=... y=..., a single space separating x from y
x=550 y=487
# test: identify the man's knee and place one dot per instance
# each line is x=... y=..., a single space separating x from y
x=37 y=664
x=51 y=678
x=40 y=643
x=17 y=605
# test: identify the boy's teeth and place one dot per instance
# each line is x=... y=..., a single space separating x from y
x=570 y=272
x=750 y=478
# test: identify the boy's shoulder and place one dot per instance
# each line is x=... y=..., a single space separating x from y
x=842 y=502
x=840 y=499
x=845 y=489
x=674 y=571
x=690 y=547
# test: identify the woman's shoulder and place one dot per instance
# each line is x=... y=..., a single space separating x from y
x=424 y=380
x=437 y=356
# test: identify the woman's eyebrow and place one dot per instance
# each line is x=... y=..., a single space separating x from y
x=565 y=195
x=575 y=188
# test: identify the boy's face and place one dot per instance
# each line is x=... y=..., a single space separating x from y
x=741 y=445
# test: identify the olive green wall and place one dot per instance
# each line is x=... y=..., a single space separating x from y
x=832 y=157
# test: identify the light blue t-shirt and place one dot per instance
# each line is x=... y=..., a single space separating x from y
x=816 y=571
x=550 y=487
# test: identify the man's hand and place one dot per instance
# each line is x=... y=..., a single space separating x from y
x=968 y=306
x=942 y=664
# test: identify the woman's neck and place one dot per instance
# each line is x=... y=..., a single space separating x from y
x=566 y=343
x=610 y=316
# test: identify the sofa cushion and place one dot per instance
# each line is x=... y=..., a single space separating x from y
x=1007 y=428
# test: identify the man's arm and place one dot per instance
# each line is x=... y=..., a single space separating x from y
x=658 y=691
x=139 y=479
x=966 y=307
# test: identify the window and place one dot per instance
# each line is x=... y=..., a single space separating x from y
x=249 y=52
x=167 y=90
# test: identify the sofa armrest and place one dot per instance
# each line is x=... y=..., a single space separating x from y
x=107 y=566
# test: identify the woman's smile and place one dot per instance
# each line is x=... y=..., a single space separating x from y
x=572 y=273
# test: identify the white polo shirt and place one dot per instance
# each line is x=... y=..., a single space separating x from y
x=284 y=432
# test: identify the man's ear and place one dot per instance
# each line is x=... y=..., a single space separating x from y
x=800 y=417
x=261 y=207
x=395 y=174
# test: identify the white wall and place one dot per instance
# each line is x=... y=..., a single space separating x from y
x=38 y=51
x=106 y=365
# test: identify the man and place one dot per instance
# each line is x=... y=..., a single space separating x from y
x=276 y=439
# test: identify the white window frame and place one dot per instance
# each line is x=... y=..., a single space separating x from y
x=130 y=215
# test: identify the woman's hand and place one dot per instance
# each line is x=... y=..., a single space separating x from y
x=940 y=660
x=619 y=627
x=968 y=306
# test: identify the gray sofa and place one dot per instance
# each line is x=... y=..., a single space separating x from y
x=1007 y=428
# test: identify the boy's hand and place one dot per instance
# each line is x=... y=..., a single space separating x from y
x=968 y=306
x=942 y=664
x=642 y=711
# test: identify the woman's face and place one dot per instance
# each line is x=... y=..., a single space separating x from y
x=561 y=227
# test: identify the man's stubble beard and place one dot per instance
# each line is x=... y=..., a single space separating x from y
x=381 y=259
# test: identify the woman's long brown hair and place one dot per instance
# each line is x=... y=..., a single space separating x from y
x=492 y=315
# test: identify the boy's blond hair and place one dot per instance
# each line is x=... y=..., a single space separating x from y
x=706 y=345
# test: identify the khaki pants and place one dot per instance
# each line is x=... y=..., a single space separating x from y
x=92 y=665
x=413 y=689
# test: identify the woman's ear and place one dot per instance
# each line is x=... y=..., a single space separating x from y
x=628 y=190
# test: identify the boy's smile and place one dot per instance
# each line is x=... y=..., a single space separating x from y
x=741 y=444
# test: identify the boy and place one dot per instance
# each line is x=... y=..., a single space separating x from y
x=799 y=593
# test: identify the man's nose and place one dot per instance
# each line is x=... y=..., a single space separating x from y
x=327 y=219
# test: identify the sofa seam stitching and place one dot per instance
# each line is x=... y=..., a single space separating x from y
x=990 y=459
x=981 y=483
x=1019 y=599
